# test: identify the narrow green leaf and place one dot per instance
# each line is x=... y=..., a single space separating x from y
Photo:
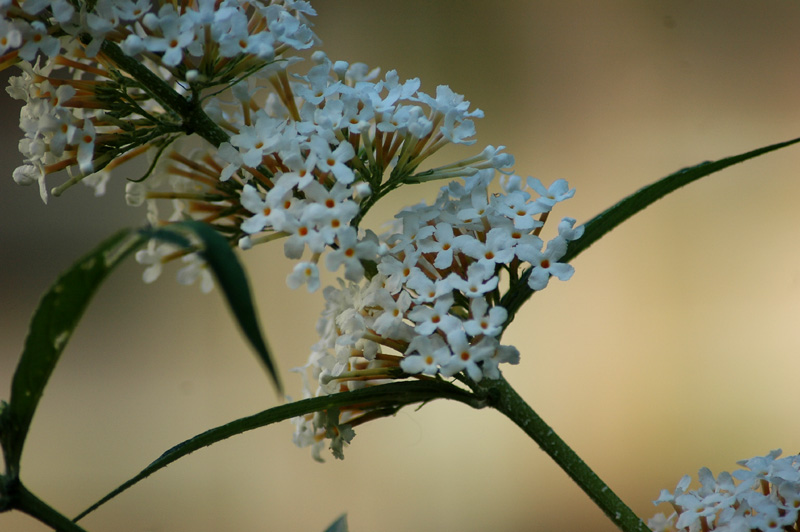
x=389 y=397
x=610 y=218
x=232 y=279
x=52 y=325
x=340 y=525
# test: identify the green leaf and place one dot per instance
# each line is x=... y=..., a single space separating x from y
x=230 y=276
x=52 y=325
x=387 y=398
x=610 y=218
x=340 y=525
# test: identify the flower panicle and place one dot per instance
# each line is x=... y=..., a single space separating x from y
x=432 y=309
x=308 y=154
x=309 y=181
x=290 y=156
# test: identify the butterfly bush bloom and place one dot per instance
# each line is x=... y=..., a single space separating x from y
x=297 y=151
x=762 y=496
x=299 y=157
x=432 y=309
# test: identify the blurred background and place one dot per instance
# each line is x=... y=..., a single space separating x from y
x=674 y=346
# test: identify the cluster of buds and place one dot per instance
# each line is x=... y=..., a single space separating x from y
x=766 y=498
x=432 y=309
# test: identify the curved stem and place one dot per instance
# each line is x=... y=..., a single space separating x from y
x=505 y=399
x=387 y=398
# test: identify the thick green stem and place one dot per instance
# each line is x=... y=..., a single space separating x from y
x=27 y=502
x=506 y=400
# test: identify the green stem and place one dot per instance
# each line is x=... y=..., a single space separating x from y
x=505 y=399
x=27 y=502
x=190 y=111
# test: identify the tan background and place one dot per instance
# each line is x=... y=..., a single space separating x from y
x=674 y=346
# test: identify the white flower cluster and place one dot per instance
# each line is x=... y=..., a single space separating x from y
x=766 y=498
x=432 y=309
x=347 y=134
x=73 y=111
x=295 y=157
x=314 y=157
x=306 y=155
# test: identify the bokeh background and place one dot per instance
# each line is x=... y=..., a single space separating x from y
x=674 y=346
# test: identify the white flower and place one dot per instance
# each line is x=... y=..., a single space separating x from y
x=151 y=256
x=10 y=35
x=398 y=272
x=394 y=310
x=28 y=174
x=267 y=212
x=568 y=231
x=196 y=269
x=425 y=354
x=351 y=252
x=265 y=137
x=544 y=264
x=430 y=319
x=232 y=156
x=441 y=243
x=333 y=161
x=447 y=101
x=465 y=355
x=503 y=354
x=517 y=207
x=304 y=273
x=175 y=36
x=131 y=9
x=424 y=289
x=85 y=139
x=498 y=247
x=481 y=322
x=557 y=192
x=303 y=232
x=38 y=40
x=480 y=280
x=458 y=132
